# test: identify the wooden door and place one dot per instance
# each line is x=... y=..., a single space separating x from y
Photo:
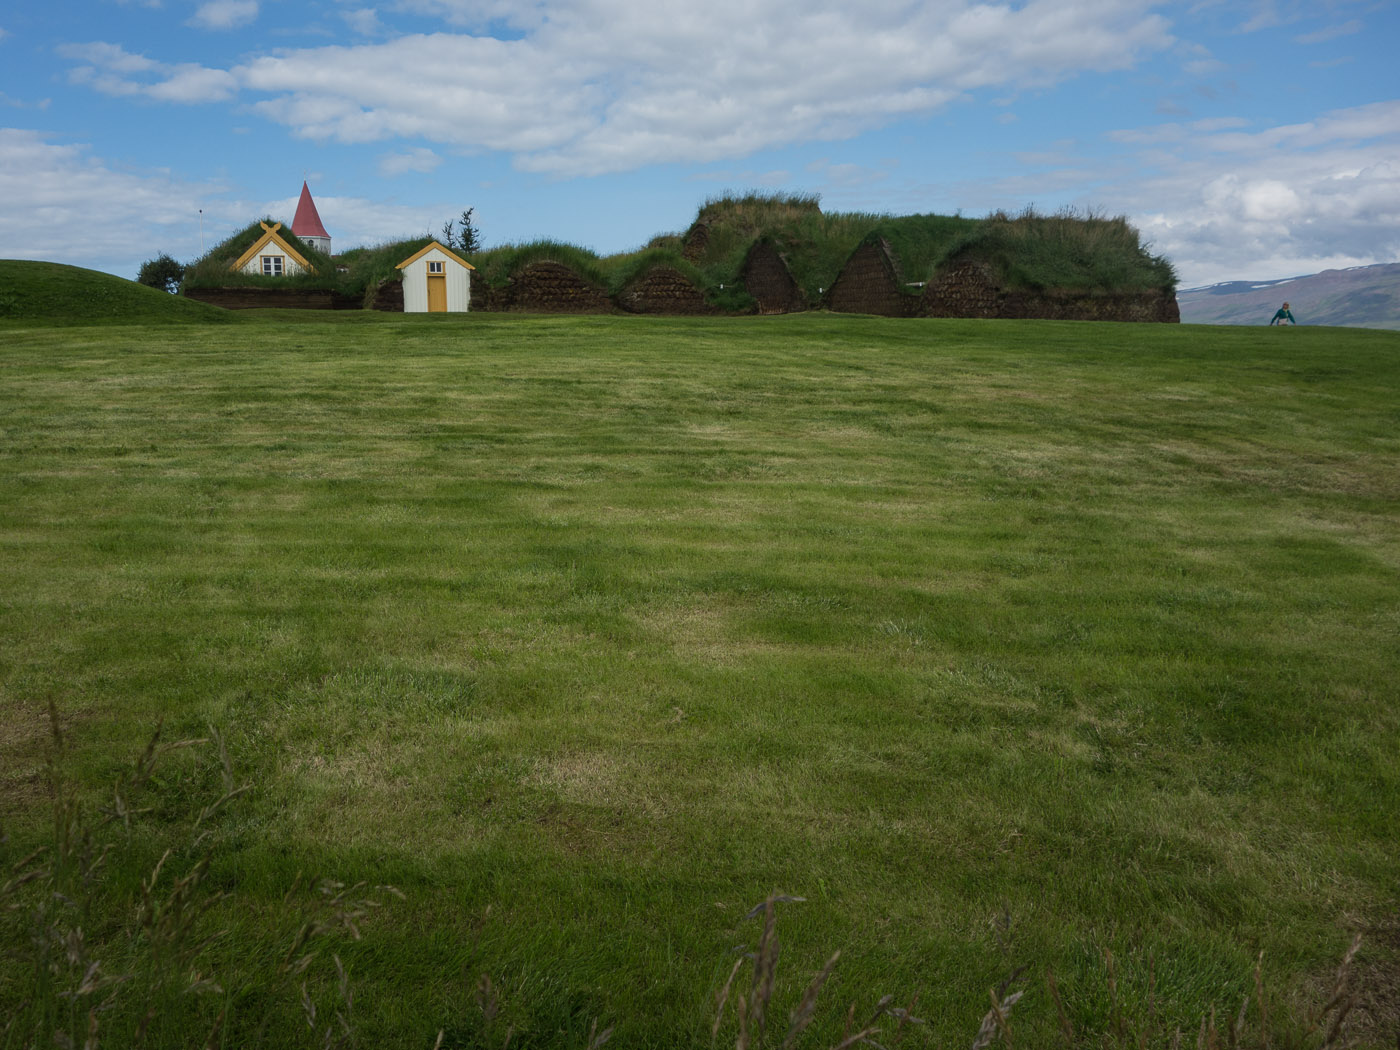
x=437 y=294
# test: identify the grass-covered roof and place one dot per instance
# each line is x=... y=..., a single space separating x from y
x=215 y=268
x=1032 y=251
x=1062 y=252
x=351 y=273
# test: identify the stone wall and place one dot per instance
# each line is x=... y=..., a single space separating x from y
x=388 y=296
x=274 y=298
x=697 y=239
x=663 y=290
x=549 y=288
x=766 y=277
x=963 y=290
x=869 y=284
x=970 y=289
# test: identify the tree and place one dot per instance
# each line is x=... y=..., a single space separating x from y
x=161 y=272
x=462 y=236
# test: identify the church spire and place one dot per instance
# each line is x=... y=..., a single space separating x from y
x=307 y=222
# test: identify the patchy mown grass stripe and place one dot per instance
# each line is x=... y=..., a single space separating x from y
x=615 y=627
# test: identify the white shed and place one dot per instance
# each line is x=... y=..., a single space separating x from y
x=436 y=281
x=272 y=256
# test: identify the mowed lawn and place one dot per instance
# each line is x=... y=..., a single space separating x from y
x=1001 y=643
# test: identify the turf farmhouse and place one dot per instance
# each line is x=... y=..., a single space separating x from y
x=1044 y=644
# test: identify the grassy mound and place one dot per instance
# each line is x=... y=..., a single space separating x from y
x=368 y=267
x=1064 y=252
x=497 y=266
x=815 y=245
x=1028 y=251
x=62 y=294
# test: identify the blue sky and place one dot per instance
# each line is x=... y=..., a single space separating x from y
x=1258 y=139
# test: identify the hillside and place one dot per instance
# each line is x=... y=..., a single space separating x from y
x=55 y=293
x=1359 y=297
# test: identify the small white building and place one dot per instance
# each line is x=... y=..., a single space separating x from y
x=436 y=281
x=271 y=256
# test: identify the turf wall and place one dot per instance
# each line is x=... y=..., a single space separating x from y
x=766 y=277
x=970 y=289
x=274 y=298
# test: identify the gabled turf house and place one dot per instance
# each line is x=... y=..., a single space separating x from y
x=870 y=282
x=271 y=256
x=753 y=254
x=766 y=277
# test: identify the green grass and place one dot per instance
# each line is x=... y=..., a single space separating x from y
x=371 y=265
x=1067 y=251
x=54 y=293
x=1062 y=252
x=497 y=265
x=589 y=633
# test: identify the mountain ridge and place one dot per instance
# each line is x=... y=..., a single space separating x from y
x=1354 y=297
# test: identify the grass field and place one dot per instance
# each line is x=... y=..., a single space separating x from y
x=1001 y=643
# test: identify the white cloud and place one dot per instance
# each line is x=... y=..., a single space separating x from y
x=190 y=83
x=110 y=58
x=1220 y=202
x=224 y=14
x=418 y=160
x=1276 y=202
x=1163 y=133
x=479 y=14
x=363 y=20
x=112 y=70
x=609 y=85
x=845 y=176
x=1330 y=32
x=52 y=190
x=1204 y=67
x=353 y=221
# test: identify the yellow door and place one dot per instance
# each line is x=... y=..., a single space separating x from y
x=437 y=294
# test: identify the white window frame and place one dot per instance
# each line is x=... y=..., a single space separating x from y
x=272 y=266
x=437 y=268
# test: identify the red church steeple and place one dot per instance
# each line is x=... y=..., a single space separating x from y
x=307 y=223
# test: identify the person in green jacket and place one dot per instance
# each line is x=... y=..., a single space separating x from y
x=1283 y=315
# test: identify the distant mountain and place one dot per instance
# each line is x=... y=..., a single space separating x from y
x=1359 y=297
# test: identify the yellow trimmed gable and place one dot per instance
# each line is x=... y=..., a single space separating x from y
x=271 y=236
x=429 y=247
